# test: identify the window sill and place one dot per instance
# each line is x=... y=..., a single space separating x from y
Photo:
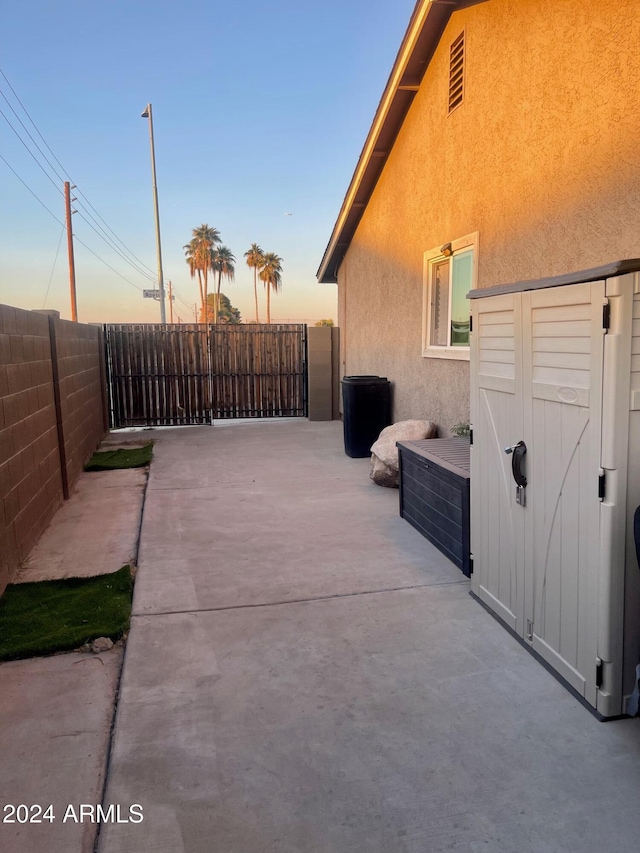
x=454 y=353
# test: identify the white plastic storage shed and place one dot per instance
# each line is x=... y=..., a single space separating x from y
x=555 y=404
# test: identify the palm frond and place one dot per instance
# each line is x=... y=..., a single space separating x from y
x=254 y=256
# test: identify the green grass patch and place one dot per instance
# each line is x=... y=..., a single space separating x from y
x=109 y=460
x=57 y=616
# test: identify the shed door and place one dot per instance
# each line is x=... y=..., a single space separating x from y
x=562 y=396
x=497 y=526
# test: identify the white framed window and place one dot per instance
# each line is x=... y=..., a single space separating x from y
x=450 y=272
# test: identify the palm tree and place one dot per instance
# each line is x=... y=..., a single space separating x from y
x=191 y=251
x=255 y=260
x=223 y=261
x=199 y=251
x=271 y=275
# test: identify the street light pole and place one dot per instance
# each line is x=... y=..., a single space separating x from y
x=148 y=114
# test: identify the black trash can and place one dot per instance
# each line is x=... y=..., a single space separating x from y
x=366 y=411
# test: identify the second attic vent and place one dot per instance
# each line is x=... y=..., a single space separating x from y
x=456 y=72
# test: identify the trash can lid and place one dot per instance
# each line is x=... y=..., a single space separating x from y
x=367 y=380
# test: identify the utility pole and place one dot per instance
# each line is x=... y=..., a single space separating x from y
x=170 y=304
x=149 y=114
x=72 y=264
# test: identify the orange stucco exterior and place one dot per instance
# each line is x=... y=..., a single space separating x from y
x=542 y=159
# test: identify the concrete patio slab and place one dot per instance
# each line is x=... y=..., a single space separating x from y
x=272 y=513
x=95 y=532
x=55 y=722
x=306 y=674
x=405 y=721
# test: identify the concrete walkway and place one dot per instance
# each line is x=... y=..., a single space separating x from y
x=56 y=712
x=95 y=532
x=55 y=720
x=306 y=674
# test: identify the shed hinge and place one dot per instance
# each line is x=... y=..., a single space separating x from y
x=471 y=436
x=606 y=316
x=470 y=564
x=602 y=484
x=599 y=673
x=470 y=323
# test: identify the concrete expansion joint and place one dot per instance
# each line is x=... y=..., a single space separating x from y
x=145 y=491
x=463 y=582
x=116 y=699
x=232 y=484
x=110 y=747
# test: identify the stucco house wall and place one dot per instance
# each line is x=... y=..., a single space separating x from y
x=542 y=159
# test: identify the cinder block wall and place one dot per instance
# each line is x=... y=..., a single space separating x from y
x=30 y=477
x=33 y=429
x=323 y=366
x=79 y=367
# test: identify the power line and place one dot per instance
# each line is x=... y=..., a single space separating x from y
x=39 y=200
x=154 y=274
x=55 y=260
x=184 y=302
x=115 y=248
x=53 y=169
x=32 y=121
x=124 y=278
x=38 y=163
x=150 y=275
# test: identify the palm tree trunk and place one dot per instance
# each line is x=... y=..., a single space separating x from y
x=269 y=303
x=205 y=306
x=202 y=301
x=255 y=290
x=218 y=296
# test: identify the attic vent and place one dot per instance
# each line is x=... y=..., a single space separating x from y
x=456 y=73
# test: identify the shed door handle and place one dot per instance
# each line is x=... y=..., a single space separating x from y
x=519 y=451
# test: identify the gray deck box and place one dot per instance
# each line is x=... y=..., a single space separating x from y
x=434 y=494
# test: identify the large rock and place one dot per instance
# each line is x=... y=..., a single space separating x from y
x=384 y=453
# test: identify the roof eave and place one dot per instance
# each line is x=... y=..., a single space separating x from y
x=423 y=34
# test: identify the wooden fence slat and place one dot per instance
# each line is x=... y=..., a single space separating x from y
x=190 y=373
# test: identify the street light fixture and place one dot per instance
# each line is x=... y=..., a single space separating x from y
x=148 y=114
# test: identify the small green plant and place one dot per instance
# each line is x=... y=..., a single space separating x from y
x=463 y=430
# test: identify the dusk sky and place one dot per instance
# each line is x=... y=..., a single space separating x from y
x=260 y=110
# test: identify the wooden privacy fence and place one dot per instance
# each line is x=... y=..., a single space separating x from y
x=169 y=375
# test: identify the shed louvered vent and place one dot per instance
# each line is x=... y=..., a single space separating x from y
x=456 y=73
